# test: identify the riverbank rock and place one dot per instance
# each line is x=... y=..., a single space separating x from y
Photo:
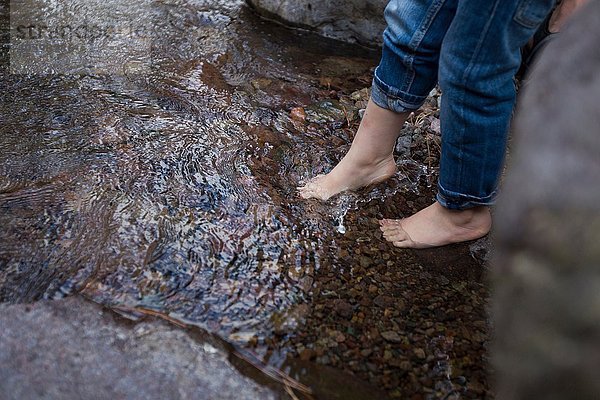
x=547 y=273
x=351 y=21
x=74 y=349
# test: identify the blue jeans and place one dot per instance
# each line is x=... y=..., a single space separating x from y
x=472 y=48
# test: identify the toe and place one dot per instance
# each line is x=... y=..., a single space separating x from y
x=389 y=228
x=303 y=191
x=396 y=236
x=312 y=192
x=389 y=231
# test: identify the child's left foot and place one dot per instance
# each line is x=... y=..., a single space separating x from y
x=370 y=159
x=436 y=226
x=348 y=175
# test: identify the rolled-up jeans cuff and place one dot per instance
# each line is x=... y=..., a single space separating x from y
x=393 y=99
x=458 y=201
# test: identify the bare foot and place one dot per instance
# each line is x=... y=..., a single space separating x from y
x=436 y=226
x=348 y=175
x=369 y=159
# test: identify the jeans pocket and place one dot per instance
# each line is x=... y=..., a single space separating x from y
x=531 y=13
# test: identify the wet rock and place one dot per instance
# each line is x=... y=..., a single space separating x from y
x=391 y=336
x=366 y=352
x=399 y=305
x=72 y=349
x=384 y=301
x=420 y=353
x=261 y=83
x=365 y=261
x=326 y=111
x=435 y=126
x=343 y=308
x=405 y=365
x=361 y=95
x=351 y=21
x=387 y=355
x=442 y=280
x=547 y=268
x=337 y=336
x=298 y=113
x=403 y=145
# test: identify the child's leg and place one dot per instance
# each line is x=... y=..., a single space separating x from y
x=479 y=57
x=405 y=76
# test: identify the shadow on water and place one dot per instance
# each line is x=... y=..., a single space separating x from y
x=161 y=173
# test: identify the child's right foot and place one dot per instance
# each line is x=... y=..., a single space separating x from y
x=370 y=158
x=436 y=226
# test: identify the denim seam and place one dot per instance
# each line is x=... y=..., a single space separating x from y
x=449 y=193
x=482 y=38
x=417 y=39
x=465 y=78
x=424 y=27
x=411 y=74
x=459 y=201
x=462 y=204
x=520 y=18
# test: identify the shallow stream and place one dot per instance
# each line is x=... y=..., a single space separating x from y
x=149 y=157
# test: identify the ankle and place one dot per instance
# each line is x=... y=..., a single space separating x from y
x=468 y=217
x=363 y=160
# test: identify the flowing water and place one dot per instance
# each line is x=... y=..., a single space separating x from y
x=148 y=158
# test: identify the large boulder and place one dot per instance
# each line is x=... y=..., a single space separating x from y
x=351 y=20
x=74 y=349
x=547 y=271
